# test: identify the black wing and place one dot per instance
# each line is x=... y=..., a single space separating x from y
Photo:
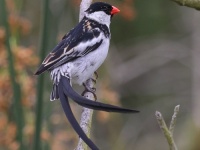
x=81 y=40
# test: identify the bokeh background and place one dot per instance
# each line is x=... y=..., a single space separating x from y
x=153 y=64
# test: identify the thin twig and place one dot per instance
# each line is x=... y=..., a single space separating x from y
x=86 y=116
x=173 y=121
x=168 y=132
x=83 y=6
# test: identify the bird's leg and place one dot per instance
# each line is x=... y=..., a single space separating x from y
x=88 y=87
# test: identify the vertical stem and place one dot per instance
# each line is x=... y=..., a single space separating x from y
x=84 y=6
x=40 y=84
x=18 y=112
x=86 y=117
x=168 y=132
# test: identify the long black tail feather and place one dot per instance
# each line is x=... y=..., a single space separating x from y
x=72 y=119
x=68 y=90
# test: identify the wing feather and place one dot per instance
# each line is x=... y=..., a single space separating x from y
x=78 y=42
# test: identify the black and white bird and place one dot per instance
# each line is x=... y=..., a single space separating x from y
x=75 y=59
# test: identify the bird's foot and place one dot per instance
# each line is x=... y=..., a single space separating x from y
x=85 y=91
x=87 y=86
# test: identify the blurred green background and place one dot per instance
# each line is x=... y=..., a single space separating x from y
x=153 y=64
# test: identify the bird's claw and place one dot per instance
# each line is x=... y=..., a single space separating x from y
x=85 y=91
x=88 y=88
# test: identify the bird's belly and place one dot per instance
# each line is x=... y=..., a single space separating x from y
x=84 y=67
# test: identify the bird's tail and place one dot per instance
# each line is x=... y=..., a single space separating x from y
x=70 y=116
x=64 y=89
x=68 y=90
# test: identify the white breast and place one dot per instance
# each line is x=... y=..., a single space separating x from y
x=82 y=68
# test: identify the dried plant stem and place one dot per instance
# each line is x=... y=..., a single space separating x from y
x=189 y=3
x=17 y=111
x=83 y=6
x=86 y=117
x=86 y=122
x=173 y=121
x=168 y=132
x=40 y=84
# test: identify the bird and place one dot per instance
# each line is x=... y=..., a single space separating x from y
x=75 y=59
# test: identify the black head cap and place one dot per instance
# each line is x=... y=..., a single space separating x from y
x=100 y=6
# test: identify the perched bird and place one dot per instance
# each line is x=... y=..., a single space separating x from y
x=74 y=60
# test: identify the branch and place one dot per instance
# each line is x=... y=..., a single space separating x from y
x=173 y=121
x=86 y=117
x=168 y=132
x=83 y=6
x=189 y=3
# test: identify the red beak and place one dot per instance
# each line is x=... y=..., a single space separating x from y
x=114 y=10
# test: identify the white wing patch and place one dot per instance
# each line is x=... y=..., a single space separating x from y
x=83 y=45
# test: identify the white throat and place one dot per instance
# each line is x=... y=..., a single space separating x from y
x=100 y=17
